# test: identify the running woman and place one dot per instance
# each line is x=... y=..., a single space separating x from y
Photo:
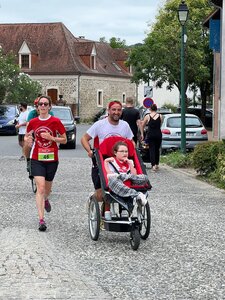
x=43 y=134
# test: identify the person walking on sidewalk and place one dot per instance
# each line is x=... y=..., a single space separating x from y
x=21 y=126
x=43 y=134
x=132 y=116
x=154 y=135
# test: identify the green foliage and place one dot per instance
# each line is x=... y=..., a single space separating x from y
x=159 y=56
x=217 y=177
x=205 y=157
x=177 y=160
x=170 y=106
x=24 y=90
x=15 y=87
x=8 y=73
x=114 y=42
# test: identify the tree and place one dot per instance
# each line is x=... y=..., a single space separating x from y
x=8 y=73
x=114 y=42
x=15 y=87
x=24 y=90
x=159 y=56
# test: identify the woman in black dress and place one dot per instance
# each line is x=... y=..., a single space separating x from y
x=154 y=135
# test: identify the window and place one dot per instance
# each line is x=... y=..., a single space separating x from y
x=124 y=98
x=25 y=61
x=93 y=62
x=93 y=58
x=24 y=56
x=100 y=98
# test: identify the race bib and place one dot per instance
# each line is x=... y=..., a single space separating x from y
x=46 y=154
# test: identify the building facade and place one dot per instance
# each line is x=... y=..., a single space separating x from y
x=87 y=73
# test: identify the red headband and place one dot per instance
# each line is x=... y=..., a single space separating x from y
x=114 y=102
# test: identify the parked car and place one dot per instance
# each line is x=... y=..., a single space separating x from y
x=144 y=111
x=171 y=134
x=198 y=111
x=8 y=116
x=64 y=113
x=102 y=112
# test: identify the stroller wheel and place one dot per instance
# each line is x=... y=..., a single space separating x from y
x=94 y=218
x=135 y=238
x=145 y=216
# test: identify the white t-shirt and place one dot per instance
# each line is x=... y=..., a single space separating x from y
x=22 y=119
x=103 y=129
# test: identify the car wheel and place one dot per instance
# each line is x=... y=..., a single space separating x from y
x=72 y=145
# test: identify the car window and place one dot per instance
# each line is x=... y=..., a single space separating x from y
x=7 y=111
x=175 y=122
x=62 y=114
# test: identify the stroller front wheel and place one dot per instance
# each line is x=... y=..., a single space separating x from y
x=145 y=216
x=94 y=218
x=135 y=238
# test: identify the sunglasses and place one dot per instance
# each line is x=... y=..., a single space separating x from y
x=43 y=103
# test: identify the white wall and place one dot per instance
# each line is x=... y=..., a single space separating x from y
x=162 y=95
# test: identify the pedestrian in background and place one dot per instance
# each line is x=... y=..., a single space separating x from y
x=21 y=126
x=132 y=116
x=154 y=135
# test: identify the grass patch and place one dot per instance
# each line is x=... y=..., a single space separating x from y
x=177 y=160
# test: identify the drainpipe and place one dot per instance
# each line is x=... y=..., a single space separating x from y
x=78 y=96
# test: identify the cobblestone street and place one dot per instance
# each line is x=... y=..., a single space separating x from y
x=183 y=258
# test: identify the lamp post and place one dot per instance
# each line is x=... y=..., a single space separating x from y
x=182 y=16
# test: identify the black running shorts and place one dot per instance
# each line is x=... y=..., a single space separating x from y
x=44 y=169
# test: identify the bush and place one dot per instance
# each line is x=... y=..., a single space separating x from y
x=205 y=155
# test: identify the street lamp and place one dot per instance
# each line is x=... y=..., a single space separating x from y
x=182 y=16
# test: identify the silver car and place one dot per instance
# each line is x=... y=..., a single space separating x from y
x=171 y=131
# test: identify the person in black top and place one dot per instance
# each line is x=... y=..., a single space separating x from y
x=132 y=116
x=154 y=135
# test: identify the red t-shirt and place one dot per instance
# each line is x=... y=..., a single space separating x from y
x=42 y=149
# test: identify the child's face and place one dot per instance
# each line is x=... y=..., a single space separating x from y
x=122 y=153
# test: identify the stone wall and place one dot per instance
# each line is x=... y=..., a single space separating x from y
x=110 y=87
x=81 y=93
x=66 y=86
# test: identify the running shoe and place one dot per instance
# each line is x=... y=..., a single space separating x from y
x=42 y=225
x=48 y=207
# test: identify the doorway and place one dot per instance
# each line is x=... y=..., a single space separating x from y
x=53 y=93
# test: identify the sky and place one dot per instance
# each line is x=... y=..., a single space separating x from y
x=124 y=19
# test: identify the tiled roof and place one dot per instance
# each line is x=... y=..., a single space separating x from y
x=57 y=51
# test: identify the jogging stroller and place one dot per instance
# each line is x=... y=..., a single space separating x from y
x=127 y=216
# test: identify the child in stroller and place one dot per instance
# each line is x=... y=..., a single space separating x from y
x=120 y=169
x=134 y=201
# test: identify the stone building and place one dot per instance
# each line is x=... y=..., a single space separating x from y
x=87 y=73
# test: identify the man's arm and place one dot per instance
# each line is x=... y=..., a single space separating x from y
x=85 y=143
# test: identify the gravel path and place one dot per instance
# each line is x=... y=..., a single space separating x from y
x=182 y=259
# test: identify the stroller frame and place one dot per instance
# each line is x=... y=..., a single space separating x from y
x=138 y=219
